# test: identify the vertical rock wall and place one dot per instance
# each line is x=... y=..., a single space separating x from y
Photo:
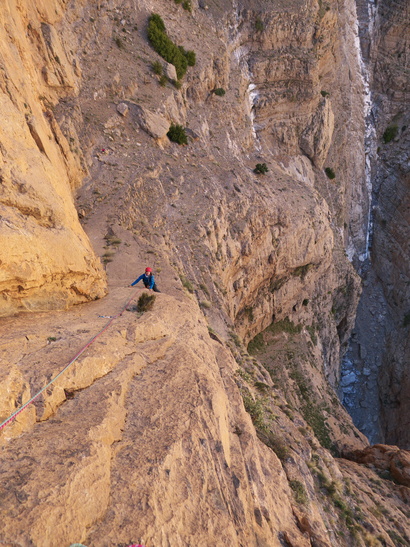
x=380 y=346
x=46 y=259
x=391 y=249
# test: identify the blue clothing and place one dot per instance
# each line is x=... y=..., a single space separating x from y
x=148 y=280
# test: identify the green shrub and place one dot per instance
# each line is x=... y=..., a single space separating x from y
x=177 y=134
x=390 y=133
x=145 y=302
x=186 y=4
x=177 y=84
x=189 y=55
x=256 y=344
x=120 y=44
x=285 y=325
x=259 y=25
x=261 y=169
x=324 y=93
x=330 y=173
x=219 y=91
x=163 y=80
x=157 y=68
x=165 y=47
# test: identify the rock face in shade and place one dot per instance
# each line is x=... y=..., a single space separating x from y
x=391 y=246
x=380 y=348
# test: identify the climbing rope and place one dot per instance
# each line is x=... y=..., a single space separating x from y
x=82 y=350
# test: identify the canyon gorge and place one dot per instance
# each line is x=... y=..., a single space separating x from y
x=264 y=400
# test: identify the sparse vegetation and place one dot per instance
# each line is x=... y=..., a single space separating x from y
x=313 y=415
x=261 y=169
x=390 y=133
x=119 y=42
x=275 y=443
x=394 y=536
x=163 y=81
x=236 y=340
x=112 y=241
x=256 y=344
x=301 y=271
x=244 y=375
x=259 y=26
x=204 y=288
x=107 y=257
x=145 y=302
x=157 y=68
x=177 y=134
x=286 y=325
x=262 y=387
x=186 y=284
x=299 y=492
x=312 y=333
x=254 y=407
x=186 y=4
x=330 y=173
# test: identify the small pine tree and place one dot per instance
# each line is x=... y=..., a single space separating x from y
x=177 y=134
x=261 y=169
x=390 y=133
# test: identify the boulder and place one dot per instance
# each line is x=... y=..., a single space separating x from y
x=170 y=71
x=387 y=458
x=154 y=124
x=122 y=109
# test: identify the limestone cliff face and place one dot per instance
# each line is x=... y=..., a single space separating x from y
x=171 y=429
x=46 y=258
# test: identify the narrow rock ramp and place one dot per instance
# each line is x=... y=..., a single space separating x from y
x=144 y=439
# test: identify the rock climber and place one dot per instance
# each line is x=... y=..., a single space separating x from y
x=148 y=280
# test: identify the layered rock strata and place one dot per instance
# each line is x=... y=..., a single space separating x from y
x=168 y=430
